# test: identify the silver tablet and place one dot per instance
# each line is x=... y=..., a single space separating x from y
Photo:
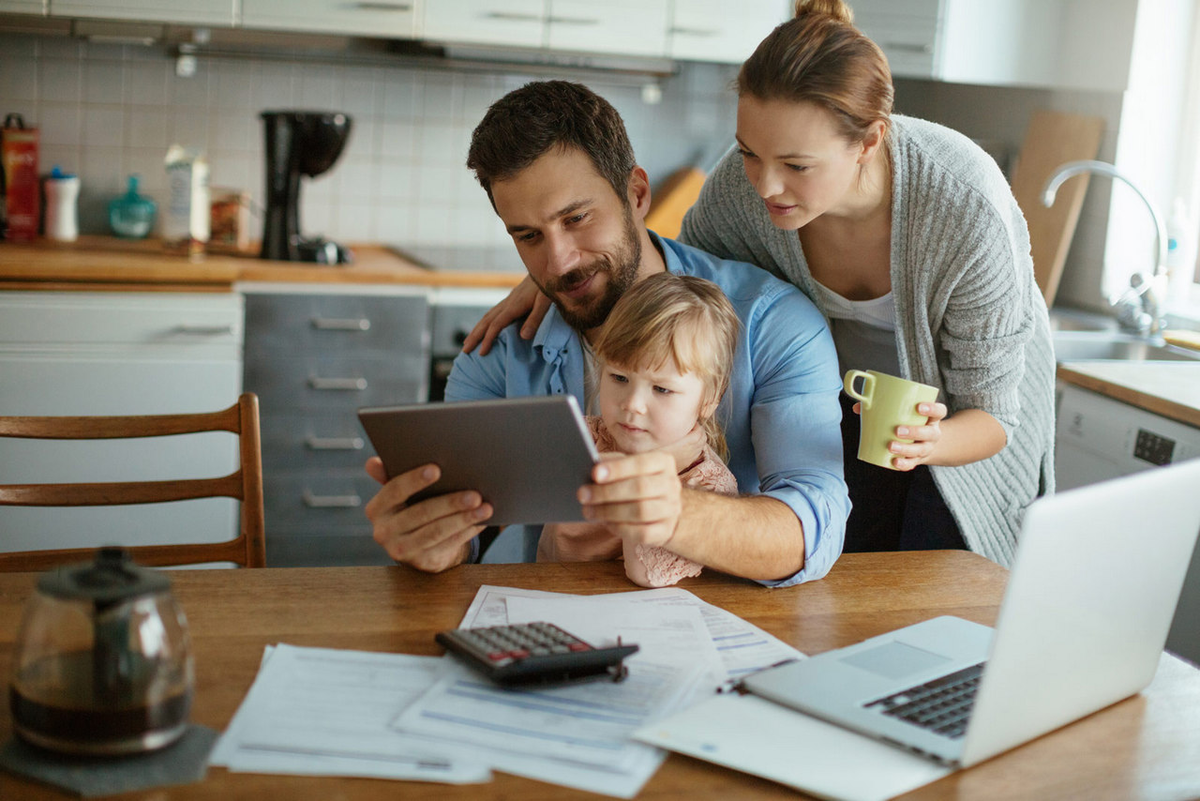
x=527 y=456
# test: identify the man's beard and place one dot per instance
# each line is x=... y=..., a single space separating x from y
x=622 y=273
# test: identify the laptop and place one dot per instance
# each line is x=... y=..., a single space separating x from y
x=1089 y=601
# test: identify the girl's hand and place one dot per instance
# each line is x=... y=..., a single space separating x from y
x=524 y=298
x=925 y=439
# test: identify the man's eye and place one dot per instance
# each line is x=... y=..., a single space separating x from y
x=528 y=236
x=575 y=218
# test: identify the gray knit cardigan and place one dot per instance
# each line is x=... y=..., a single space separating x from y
x=969 y=318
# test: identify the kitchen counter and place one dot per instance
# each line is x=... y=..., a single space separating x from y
x=1170 y=389
x=98 y=262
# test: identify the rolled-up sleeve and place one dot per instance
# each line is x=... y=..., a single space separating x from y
x=795 y=422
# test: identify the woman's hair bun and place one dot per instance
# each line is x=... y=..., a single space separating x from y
x=825 y=8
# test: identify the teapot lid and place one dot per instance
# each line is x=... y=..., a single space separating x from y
x=112 y=578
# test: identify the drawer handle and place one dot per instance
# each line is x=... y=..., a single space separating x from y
x=376 y=5
x=336 y=384
x=341 y=323
x=510 y=16
x=331 y=501
x=333 y=443
x=694 y=31
x=572 y=21
x=204 y=330
x=907 y=47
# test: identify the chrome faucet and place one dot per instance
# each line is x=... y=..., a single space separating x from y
x=1139 y=308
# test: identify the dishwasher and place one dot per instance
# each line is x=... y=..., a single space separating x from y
x=1098 y=438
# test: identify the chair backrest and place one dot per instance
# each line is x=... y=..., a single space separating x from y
x=245 y=485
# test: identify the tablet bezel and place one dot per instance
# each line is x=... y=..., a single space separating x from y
x=526 y=456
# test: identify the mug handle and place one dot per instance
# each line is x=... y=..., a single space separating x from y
x=868 y=386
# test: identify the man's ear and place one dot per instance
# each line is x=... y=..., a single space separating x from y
x=638 y=193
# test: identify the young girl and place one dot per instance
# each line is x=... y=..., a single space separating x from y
x=663 y=360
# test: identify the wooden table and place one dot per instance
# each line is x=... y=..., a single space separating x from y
x=1146 y=747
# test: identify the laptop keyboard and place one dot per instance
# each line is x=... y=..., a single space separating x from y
x=942 y=705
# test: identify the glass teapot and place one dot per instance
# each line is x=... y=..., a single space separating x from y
x=103 y=660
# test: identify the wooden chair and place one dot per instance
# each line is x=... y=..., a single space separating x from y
x=248 y=549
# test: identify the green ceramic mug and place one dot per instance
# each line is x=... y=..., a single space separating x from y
x=887 y=402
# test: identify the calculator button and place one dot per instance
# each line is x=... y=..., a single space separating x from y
x=579 y=646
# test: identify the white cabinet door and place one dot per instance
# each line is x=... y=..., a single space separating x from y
x=516 y=23
x=24 y=6
x=392 y=19
x=716 y=30
x=200 y=12
x=69 y=353
x=623 y=27
x=1049 y=43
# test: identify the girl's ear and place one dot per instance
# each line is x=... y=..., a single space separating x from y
x=709 y=407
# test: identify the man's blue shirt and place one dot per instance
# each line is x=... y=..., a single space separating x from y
x=781 y=413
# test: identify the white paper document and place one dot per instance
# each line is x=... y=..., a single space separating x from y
x=578 y=734
x=753 y=735
x=320 y=711
x=742 y=647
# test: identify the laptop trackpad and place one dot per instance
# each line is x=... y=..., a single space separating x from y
x=895 y=660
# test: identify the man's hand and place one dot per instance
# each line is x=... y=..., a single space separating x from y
x=432 y=535
x=636 y=497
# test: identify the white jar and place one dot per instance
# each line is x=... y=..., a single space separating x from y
x=62 y=194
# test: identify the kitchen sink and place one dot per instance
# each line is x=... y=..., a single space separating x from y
x=1075 y=320
x=1092 y=345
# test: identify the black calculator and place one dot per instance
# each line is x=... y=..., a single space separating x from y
x=535 y=653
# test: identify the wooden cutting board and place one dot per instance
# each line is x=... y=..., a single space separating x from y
x=1052 y=139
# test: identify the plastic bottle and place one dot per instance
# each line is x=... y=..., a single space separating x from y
x=132 y=215
x=1181 y=251
x=62 y=193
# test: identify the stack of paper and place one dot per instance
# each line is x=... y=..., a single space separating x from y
x=393 y=715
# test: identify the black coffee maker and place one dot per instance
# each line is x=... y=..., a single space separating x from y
x=299 y=143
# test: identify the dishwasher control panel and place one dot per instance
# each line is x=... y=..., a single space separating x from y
x=1153 y=448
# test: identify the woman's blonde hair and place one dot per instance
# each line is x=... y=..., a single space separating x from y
x=680 y=318
x=820 y=57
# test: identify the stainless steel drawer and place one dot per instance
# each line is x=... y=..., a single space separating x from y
x=311 y=382
x=313 y=442
x=335 y=323
x=329 y=500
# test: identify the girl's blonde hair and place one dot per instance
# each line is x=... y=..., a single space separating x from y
x=820 y=57
x=682 y=318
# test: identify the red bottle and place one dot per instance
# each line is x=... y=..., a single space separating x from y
x=19 y=155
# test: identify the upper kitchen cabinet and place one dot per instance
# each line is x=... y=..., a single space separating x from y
x=1075 y=44
x=182 y=12
x=24 y=6
x=625 y=27
x=516 y=23
x=389 y=19
x=717 y=30
x=621 y=27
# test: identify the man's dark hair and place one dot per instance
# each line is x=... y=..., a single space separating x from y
x=528 y=122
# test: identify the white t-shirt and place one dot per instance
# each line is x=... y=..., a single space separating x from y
x=864 y=331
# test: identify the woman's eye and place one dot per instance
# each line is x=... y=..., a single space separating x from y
x=746 y=154
x=798 y=167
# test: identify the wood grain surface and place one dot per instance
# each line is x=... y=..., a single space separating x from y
x=1146 y=747
x=97 y=261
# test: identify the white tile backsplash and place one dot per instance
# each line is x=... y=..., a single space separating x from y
x=106 y=112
